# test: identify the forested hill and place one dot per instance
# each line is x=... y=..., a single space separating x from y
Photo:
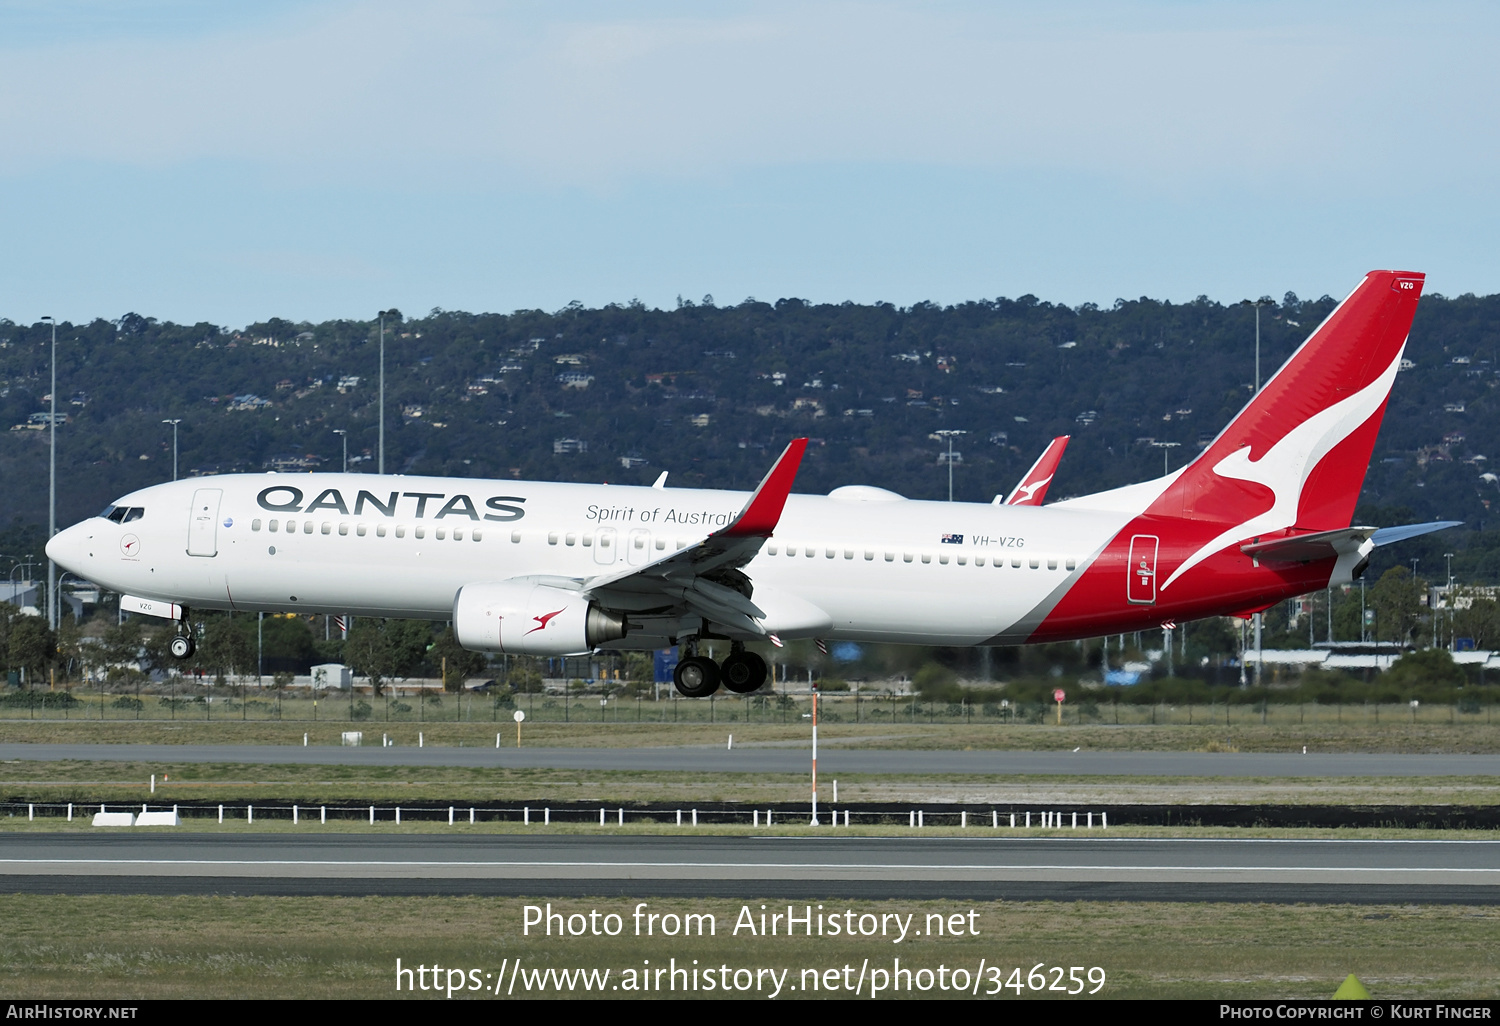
x=711 y=393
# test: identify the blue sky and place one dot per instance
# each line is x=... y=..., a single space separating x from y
x=232 y=162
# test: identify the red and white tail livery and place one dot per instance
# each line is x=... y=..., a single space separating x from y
x=1032 y=488
x=1262 y=514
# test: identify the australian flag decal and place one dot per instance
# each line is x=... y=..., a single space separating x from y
x=953 y=539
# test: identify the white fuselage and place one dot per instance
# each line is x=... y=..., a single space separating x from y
x=891 y=569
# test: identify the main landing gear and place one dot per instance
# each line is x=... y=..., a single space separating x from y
x=699 y=676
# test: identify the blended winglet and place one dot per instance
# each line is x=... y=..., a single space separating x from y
x=1032 y=489
x=761 y=514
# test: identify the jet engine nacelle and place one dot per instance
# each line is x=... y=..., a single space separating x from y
x=524 y=618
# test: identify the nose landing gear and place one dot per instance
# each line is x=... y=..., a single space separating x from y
x=182 y=646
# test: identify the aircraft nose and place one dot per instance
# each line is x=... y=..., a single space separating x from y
x=66 y=548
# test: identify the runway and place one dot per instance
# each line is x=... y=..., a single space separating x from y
x=705 y=759
x=978 y=868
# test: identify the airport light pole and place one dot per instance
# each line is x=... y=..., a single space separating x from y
x=380 y=469
x=1257 y=303
x=174 y=424
x=1164 y=447
x=344 y=434
x=52 y=483
x=948 y=433
x=1452 y=641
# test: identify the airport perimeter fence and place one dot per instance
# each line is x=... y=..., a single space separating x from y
x=579 y=814
x=248 y=703
x=894 y=815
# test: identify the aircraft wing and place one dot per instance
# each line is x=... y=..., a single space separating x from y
x=705 y=577
x=1032 y=488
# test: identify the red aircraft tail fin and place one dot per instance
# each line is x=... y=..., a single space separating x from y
x=1032 y=488
x=1294 y=459
x=1303 y=443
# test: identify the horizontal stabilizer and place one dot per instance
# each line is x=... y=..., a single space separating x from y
x=1391 y=535
x=1305 y=548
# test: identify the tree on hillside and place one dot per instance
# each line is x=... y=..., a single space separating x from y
x=1397 y=601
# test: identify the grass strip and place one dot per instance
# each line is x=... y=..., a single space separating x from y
x=126 y=947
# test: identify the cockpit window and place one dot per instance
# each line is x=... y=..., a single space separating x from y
x=108 y=513
x=134 y=513
x=123 y=514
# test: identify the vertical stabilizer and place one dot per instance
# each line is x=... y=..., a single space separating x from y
x=1296 y=455
x=1032 y=488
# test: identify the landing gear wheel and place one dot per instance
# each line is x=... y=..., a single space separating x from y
x=182 y=647
x=696 y=677
x=744 y=672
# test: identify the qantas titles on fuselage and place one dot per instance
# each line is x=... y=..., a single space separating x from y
x=288 y=499
x=502 y=508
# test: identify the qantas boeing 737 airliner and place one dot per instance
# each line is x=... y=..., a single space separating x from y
x=1262 y=514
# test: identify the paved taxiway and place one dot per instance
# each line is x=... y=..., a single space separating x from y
x=705 y=759
x=764 y=866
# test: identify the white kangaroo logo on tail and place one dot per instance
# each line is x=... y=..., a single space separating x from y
x=1025 y=492
x=1285 y=467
